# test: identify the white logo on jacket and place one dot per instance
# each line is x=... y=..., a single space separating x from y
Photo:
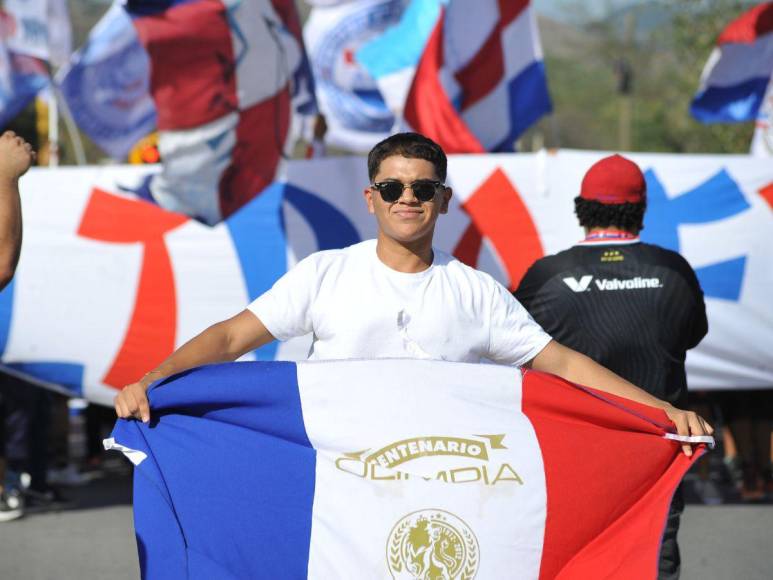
x=612 y=283
x=580 y=286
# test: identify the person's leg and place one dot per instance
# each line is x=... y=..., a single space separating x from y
x=670 y=563
x=11 y=499
x=38 y=439
x=762 y=415
x=17 y=425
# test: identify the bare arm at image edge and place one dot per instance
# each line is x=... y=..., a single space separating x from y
x=16 y=156
x=222 y=342
x=578 y=368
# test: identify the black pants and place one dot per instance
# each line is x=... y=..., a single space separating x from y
x=670 y=562
x=24 y=420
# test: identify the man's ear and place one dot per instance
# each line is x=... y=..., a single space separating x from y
x=368 y=193
x=447 y=194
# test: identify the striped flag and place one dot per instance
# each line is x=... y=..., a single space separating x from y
x=221 y=78
x=481 y=80
x=738 y=72
x=396 y=468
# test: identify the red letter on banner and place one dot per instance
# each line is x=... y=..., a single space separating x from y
x=151 y=333
x=498 y=213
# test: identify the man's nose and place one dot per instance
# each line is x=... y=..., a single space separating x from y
x=407 y=196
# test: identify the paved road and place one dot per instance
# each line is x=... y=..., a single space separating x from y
x=93 y=539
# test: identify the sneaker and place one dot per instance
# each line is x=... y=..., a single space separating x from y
x=11 y=505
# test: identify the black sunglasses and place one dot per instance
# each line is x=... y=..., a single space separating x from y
x=424 y=189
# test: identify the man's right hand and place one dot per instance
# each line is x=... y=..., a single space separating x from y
x=132 y=401
x=17 y=156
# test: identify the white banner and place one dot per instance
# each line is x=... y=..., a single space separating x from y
x=108 y=285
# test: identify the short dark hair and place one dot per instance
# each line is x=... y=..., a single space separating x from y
x=594 y=214
x=412 y=146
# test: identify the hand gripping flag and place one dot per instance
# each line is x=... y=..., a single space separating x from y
x=481 y=80
x=221 y=81
x=738 y=72
x=396 y=469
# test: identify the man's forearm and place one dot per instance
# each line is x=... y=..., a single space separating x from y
x=578 y=368
x=211 y=346
x=10 y=230
x=222 y=342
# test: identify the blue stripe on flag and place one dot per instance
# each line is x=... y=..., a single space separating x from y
x=732 y=104
x=529 y=100
x=205 y=423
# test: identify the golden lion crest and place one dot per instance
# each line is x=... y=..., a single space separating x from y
x=432 y=544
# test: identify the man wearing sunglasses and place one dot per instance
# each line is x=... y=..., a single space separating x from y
x=396 y=297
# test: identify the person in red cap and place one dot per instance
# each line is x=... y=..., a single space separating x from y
x=634 y=308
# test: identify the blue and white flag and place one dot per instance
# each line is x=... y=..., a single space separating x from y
x=738 y=72
x=106 y=85
x=391 y=58
x=396 y=468
x=349 y=96
x=21 y=78
x=39 y=28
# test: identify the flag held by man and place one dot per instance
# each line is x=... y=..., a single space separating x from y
x=396 y=468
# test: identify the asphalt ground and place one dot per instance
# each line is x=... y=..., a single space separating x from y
x=91 y=537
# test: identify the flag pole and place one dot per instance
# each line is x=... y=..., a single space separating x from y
x=72 y=129
x=53 y=130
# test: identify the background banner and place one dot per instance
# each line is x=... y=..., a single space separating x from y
x=108 y=285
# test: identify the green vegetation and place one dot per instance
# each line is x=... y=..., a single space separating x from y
x=666 y=45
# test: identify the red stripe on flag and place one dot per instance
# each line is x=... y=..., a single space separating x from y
x=150 y=336
x=484 y=71
x=499 y=213
x=260 y=137
x=193 y=71
x=609 y=485
x=509 y=10
x=747 y=28
x=428 y=109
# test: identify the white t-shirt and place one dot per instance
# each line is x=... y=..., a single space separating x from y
x=357 y=307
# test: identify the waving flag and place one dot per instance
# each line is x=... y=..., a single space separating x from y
x=401 y=468
x=355 y=111
x=40 y=28
x=738 y=72
x=481 y=80
x=392 y=57
x=221 y=77
x=21 y=78
x=106 y=87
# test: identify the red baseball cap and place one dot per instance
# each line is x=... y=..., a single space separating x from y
x=614 y=180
